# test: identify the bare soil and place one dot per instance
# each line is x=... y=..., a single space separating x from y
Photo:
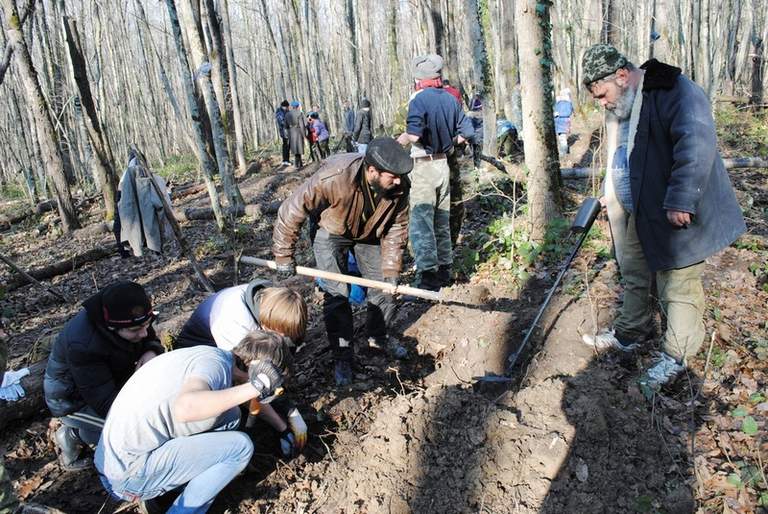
x=571 y=433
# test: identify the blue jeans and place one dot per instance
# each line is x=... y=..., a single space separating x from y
x=205 y=462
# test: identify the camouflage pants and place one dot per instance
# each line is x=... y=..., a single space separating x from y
x=457 y=197
x=8 y=501
x=429 y=228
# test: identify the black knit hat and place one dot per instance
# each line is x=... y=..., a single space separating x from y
x=126 y=305
x=387 y=154
x=284 y=103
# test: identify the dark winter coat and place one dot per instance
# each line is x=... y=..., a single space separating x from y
x=89 y=363
x=297 y=128
x=363 y=133
x=282 y=130
x=675 y=165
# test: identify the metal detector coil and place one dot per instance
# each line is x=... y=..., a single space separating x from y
x=582 y=222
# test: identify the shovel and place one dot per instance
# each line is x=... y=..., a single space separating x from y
x=349 y=279
x=583 y=221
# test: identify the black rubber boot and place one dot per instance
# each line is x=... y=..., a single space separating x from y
x=444 y=275
x=428 y=280
x=70 y=446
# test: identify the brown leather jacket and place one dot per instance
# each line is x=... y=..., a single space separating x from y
x=334 y=193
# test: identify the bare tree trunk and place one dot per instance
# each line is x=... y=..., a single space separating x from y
x=233 y=87
x=203 y=74
x=206 y=165
x=757 y=40
x=483 y=74
x=541 y=158
x=103 y=162
x=45 y=130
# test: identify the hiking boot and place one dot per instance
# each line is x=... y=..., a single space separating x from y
x=607 y=340
x=428 y=280
x=663 y=371
x=444 y=275
x=342 y=373
x=390 y=344
x=70 y=446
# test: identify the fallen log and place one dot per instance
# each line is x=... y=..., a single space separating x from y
x=33 y=280
x=40 y=208
x=59 y=268
x=181 y=192
x=732 y=163
x=206 y=213
x=32 y=403
x=745 y=162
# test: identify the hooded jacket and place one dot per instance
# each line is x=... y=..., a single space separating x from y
x=224 y=318
x=674 y=165
x=335 y=195
x=90 y=363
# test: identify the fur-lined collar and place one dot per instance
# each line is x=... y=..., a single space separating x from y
x=659 y=75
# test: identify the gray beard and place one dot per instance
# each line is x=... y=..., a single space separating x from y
x=623 y=108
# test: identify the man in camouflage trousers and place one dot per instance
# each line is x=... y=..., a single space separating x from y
x=435 y=120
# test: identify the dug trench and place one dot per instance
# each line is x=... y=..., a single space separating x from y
x=571 y=433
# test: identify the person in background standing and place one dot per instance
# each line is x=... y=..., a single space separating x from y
x=321 y=133
x=363 y=133
x=297 y=129
x=563 y=113
x=282 y=130
x=349 y=125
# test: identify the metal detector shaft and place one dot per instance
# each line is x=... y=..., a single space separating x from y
x=581 y=224
x=348 y=279
x=513 y=358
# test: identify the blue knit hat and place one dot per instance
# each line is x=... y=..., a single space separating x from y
x=295 y=103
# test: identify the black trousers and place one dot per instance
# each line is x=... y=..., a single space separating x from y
x=286 y=150
x=331 y=255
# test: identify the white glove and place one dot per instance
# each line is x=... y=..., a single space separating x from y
x=298 y=427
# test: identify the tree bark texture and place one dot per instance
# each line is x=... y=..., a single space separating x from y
x=103 y=163
x=541 y=158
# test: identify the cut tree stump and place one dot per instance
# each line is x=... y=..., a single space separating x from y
x=59 y=268
x=32 y=403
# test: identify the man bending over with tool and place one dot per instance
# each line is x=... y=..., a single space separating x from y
x=362 y=205
x=173 y=424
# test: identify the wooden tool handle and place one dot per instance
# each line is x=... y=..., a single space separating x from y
x=348 y=279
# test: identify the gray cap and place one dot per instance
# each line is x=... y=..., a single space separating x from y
x=387 y=154
x=427 y=66
x=599 y=61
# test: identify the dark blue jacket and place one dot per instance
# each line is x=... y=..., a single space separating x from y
x=89 y=363
x=437 y=118
x=675 y=165
x=282 y=128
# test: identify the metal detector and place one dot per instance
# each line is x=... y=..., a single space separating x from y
x=583 y=221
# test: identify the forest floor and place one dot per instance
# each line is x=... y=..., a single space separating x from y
x=572 y=433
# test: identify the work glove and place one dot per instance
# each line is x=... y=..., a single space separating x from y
x=286 y=270
x=266 y=378
x=298 y=428
x=288 y=445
